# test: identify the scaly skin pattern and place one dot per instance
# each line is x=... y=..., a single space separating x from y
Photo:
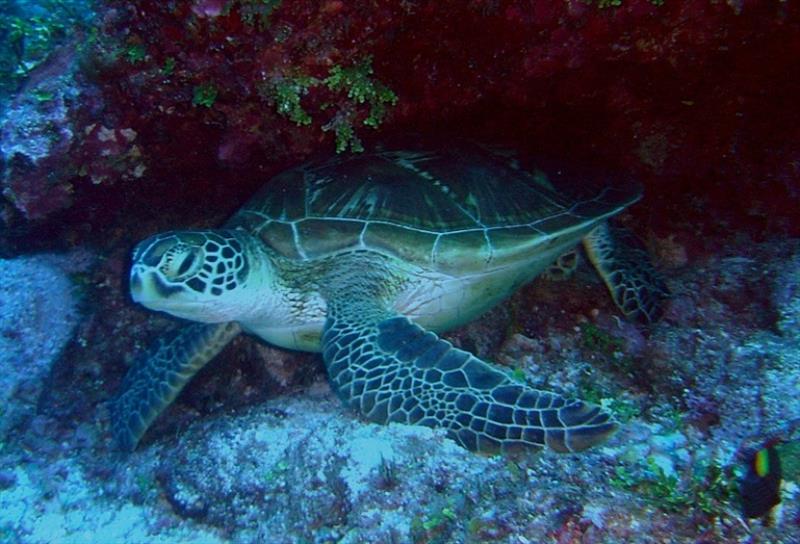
x=392 y=370
x=363 y=258
x=625 y=267
x=155 y=380
x=380 y=362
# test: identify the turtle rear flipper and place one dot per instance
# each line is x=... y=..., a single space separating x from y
x=391 y=369
x=624 y=264
x=154 y=380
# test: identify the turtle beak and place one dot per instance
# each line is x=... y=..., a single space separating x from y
x=149 y=289
x=136 y=285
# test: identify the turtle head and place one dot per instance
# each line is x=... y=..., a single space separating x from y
x=199 y=275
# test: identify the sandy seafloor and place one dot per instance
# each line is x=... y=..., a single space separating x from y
x=258 y=449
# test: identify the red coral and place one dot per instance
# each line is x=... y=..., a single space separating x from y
x=37 y=190
x=110 y=154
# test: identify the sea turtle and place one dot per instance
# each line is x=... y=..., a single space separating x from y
x=361 y=257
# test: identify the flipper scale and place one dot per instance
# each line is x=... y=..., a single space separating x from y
x=481 y=407
x=157 y=377
x=622 y=261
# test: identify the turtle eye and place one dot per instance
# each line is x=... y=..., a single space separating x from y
x=179 y=262
x=186 y=264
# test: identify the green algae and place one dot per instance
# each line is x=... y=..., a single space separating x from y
x=204 y=94
x=288 y=93
x=361 y=87
x=355 y=98
x=706 y=484
x=27 y=41
x=254 y=13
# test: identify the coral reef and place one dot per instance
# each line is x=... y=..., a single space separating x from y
x=37 y=134
x=149 y=115
x=40 y=92
x=691 y=97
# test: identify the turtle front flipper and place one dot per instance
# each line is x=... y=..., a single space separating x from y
x=391 y=369
x=624 y=264
x=156 y=378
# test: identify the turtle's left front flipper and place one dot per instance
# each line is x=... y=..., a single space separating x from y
x=390 y=369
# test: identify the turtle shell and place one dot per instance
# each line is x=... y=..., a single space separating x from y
x=461 y=208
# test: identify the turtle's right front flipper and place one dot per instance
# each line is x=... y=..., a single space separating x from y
x=623 y=263
x=391 y=369
x=156 y=378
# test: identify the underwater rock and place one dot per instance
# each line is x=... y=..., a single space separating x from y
x=737 y=377
x=44 y=506
x=7 y=479
x=38 y=311
x=786 y=298
x=302 y=468
x=43 y=93
x=299 y=467
x=36 y=133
